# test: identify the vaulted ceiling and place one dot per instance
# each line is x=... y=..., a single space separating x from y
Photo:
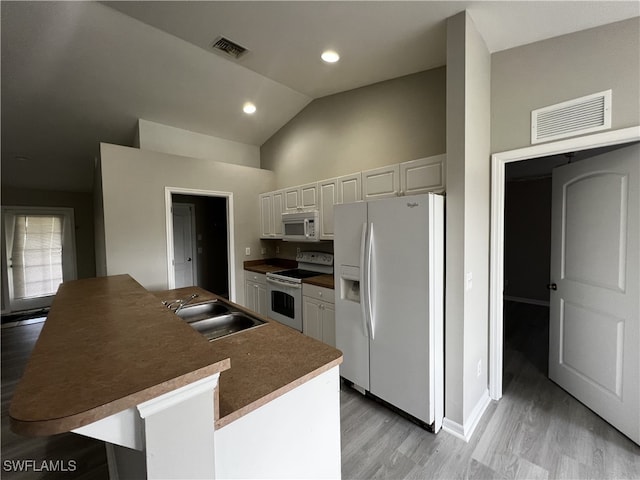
x=78 y=73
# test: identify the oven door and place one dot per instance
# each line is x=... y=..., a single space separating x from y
x=285 y=303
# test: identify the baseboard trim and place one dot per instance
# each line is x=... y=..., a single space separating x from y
x=530 y=301
x=464 y=432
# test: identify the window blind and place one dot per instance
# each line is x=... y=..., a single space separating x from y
x=36 y=256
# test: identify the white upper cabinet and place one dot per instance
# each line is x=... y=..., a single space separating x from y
x=345 y=189
x=328 y=190
x=349 y=188
x=408 y=178
x=271 y=204
x=276 y=212
x=304 y=197
x=381 y=182
x=422 y=175
x=266 y=215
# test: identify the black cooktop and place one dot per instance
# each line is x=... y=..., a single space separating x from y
x=297 y=273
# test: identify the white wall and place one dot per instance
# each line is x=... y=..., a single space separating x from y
x=176 y=141
x=133 y=186
x=467 y=222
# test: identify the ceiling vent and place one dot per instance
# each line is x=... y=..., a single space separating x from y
x=229 y=48
x=574 y=117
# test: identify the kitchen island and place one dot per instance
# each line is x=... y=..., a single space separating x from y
x=113 y=363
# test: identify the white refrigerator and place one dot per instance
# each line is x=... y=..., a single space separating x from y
x=389 y=280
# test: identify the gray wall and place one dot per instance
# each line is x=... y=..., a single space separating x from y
x=562 y=68
x=467 y=219
x=381 y=124
x=133 y=185
x=82 y=204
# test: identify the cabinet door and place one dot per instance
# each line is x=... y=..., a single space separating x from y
x=329 y=324
x=311 y=320
x=423 y=175
x=291 y=199
x=328 y=198
x=277 y=207
x=261 y=300
x=250 y=295
x=381 y=182
x=309 y=196
x=349 y=188
x=266 y=215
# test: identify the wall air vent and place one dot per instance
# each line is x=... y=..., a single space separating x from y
x=571 y=118
x=229 y=48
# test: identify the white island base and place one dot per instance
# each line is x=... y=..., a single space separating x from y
x=295 y=435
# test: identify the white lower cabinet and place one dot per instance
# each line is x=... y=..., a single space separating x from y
x=255 y=292
x=318 y=313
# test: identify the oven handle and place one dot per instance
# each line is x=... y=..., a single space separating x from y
x=280 y=283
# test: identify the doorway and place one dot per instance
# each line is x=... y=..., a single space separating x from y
x=527 y=253
x=200 y=240
x=497 y=247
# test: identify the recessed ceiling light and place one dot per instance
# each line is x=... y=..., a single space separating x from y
x=249 y=108
x=330 y=56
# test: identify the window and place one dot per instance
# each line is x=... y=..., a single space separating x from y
x=40 y=255
x=36 y=255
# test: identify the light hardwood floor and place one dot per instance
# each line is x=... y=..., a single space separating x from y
x=535 y=431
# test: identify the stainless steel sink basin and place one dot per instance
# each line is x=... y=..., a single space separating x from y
x=226 y=324
x=202 y=311
x=215 y=320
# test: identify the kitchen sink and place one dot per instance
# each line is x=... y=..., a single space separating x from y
x=214 y=320
x=202 y=311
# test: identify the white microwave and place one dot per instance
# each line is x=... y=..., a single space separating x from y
x=301 y=226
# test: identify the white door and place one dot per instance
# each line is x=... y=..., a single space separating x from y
x=183 y=258
x=594 y=338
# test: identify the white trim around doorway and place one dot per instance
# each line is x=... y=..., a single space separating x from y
x=168 y=191
x=496 y=267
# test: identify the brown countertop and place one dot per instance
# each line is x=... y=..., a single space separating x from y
x=269 y=265
x=320 y=281
x=107 y=345
x=266 y=362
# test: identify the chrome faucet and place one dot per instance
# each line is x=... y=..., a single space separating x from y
x=181 y=303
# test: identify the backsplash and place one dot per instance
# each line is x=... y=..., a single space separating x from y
x=282 y=249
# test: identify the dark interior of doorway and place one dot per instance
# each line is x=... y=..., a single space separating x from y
x=211 y=241
x=527 y=253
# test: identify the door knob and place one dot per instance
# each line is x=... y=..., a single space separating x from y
x=189 y=259
x=552 y=286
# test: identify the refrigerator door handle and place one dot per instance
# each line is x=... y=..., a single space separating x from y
x=368 y=278
x=363 y=276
